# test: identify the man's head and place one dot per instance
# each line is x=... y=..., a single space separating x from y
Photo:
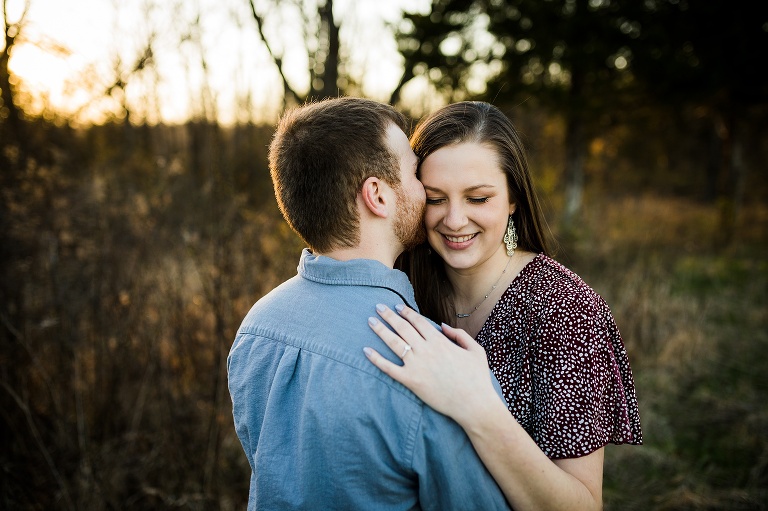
x=321 y=155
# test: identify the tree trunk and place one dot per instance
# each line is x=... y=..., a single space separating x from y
x=11 y=121
x=740 y=170
x=330 y=31
x=732 y=179
x=575 y=148
x=714 y=159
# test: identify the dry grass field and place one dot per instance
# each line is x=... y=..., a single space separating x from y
x=124 y=279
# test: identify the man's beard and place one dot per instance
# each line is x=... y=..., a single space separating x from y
x=409 y=224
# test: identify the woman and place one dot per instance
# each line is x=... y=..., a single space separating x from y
x=549 y=339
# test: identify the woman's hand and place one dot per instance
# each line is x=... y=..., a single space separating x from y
x=448 y=371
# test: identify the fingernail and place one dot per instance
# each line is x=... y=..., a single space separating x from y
x=373 y=321
x=380 y=307
x=368 y=352
x=399 y=307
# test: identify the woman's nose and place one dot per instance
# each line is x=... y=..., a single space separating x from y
x=455 y=218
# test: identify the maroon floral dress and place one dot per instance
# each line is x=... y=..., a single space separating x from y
x=554 y=346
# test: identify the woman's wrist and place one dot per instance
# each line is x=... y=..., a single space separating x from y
x=483 y=410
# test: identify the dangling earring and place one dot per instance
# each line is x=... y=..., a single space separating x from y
x=510 y=238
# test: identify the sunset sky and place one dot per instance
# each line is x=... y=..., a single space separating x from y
x=72 y=51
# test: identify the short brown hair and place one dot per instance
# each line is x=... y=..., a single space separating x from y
x=321 y=154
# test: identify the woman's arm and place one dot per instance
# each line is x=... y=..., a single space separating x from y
x=455 y=380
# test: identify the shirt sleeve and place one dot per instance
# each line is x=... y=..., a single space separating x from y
x=581 y=401
x=451 y=475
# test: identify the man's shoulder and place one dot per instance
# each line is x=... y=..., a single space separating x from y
x=281 y=300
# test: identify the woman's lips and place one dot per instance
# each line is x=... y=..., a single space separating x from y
x=458 y=242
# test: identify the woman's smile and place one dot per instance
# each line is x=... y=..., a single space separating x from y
x=459 y=242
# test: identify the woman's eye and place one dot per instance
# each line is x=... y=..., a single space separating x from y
x=432 y=201
x=478 y=200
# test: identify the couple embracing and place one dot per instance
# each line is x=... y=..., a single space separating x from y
x=503 y=394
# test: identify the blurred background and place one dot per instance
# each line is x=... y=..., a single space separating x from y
x=138 y=222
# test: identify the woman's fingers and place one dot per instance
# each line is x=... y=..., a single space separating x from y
x=403 y=328
x=411 y=327
x=426 y=329
x=390 y=338
x=443 y=373
x=460 y=337
x=394 y=371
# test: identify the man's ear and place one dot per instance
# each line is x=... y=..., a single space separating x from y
x=374 y=196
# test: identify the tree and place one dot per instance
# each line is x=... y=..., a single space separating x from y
x=321 y=33
x=707 y=57
x=420 y=42
x=565 y=54
x=11 y=117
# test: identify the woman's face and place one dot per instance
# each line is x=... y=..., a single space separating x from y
x=467 y=205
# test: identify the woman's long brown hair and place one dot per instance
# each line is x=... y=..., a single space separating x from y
x=481 y=123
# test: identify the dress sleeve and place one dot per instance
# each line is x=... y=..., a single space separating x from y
x=582 y=388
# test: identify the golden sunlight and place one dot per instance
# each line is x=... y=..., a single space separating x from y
x=93 y=60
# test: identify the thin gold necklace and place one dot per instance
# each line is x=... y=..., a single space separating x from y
x=468 y=314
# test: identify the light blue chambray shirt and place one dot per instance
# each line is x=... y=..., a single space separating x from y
x=325 y=429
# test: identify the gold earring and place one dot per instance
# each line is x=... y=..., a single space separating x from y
x=510 y=238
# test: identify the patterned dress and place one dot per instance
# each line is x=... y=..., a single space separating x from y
x=554 y=346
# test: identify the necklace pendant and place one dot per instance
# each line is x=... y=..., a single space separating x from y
x=460 y=315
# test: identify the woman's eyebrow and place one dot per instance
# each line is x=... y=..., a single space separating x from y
x=468 y=189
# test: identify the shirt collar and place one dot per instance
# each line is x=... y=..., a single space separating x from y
x=356 y=272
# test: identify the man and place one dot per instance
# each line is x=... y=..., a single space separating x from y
x=322 y=428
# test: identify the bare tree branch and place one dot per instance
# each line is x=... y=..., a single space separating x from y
x=407 y=76
x=143 y=60
x=19 y=23
x=287 y=89
x=11 y=32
